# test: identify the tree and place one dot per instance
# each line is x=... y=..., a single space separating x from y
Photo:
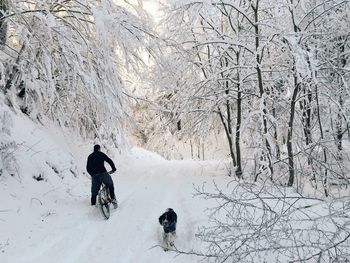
x=264 y=63
x=64 y=60
x=3 y=26
x=265 y=223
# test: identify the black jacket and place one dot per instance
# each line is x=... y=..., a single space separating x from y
x=95 y=163
x=168 y=220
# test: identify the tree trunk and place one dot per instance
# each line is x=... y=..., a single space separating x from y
x=3 y=25
x=238 y=126
x=339 y=123
x=229 y=138
x=325 y=179
x=260 y=85
x=305 y=106
x=291 y=168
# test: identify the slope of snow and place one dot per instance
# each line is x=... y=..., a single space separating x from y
x=51 y=220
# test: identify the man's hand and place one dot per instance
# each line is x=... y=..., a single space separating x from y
x=113 y=171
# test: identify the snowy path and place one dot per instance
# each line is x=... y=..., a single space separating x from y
x=145 y=187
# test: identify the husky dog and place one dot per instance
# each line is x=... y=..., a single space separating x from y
x=168 y=220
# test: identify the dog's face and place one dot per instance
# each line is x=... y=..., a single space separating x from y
x=166 y=221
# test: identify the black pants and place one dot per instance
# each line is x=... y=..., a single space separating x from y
x=96 y=181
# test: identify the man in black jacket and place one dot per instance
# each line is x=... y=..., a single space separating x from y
x=95 y=167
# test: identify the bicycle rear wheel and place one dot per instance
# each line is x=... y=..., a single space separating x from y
x=103 y=204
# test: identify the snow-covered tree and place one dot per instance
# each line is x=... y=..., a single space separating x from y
x=259 y=72
x=65 y=60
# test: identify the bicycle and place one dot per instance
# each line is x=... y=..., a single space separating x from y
x=104 y=201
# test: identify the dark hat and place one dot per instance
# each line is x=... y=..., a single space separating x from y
x=97 y=148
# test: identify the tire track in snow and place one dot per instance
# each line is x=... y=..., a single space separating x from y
x=144 y=191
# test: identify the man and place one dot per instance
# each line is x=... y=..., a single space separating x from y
x=95 y=167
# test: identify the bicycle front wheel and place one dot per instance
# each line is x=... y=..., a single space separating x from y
x=103 y=206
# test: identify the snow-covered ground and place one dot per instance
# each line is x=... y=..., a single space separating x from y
x=50 y=220
x=66 y=229
x=45 y=212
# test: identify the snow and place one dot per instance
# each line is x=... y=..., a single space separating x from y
x=82 y=64
x=51 y=220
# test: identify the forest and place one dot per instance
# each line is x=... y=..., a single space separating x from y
x=267 y=82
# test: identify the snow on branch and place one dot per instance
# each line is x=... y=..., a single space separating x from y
x=65 y=60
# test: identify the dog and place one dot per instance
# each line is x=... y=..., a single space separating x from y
x=168 y=220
